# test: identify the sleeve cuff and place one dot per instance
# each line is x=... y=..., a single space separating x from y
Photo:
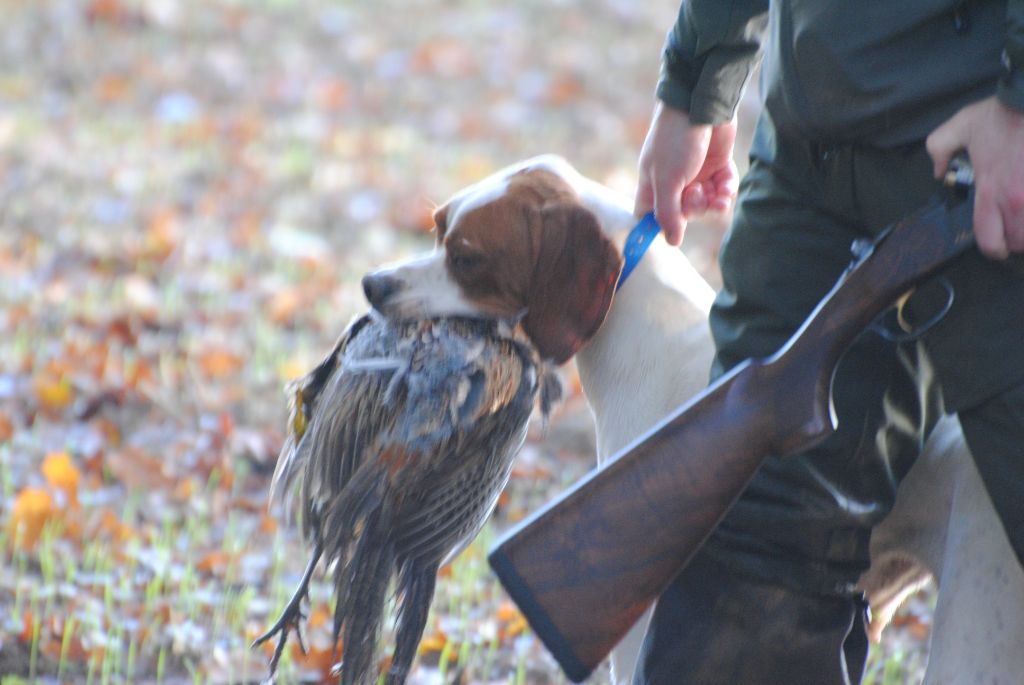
x=707 y=87
x=712 y=100
x=1011 y=86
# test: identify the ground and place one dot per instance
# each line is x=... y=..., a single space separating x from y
x=189 y=194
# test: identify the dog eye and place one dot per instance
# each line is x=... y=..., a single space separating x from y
x=463 y=261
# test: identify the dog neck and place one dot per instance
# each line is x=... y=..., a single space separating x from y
x=634 y=371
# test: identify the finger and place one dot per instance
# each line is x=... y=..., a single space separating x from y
x=1013 y=220
x=714 y=201
x=720 y=203
x=988 y=224
x=727 y=181
x=724 y=188
x=943 y=143
x=695 y=200
x=668 y=212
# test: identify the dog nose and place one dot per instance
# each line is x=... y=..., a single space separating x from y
x=378 y=288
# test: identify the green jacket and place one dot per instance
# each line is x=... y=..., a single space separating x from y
x=871 y=72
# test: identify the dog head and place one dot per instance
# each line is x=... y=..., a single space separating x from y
x=517 y=244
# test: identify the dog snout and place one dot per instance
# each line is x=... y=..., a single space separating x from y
x=379 y=287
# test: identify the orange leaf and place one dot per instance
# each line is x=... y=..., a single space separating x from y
x=214 y=561
x=332 y=95
x=54 y=393
x=162 y=232
x=268 y=525
x=140 y=372
x=113 y=526
x=103 y=10
x=62 y=474
x=508 y=611
x=27 y=626
x=513 y=629
x=433 y=643
x=217 y=362
x=185 y=489
x=317 y=659
x=564 y=89
x=284 y=304
x=6 y=427
x=33 y=507
x=112 y=88
x=319 y=616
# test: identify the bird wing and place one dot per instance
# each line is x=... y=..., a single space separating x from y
x=303 y=396
x=457 y=488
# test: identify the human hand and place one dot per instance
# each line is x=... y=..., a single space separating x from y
x=685 y=170
x=993 y=136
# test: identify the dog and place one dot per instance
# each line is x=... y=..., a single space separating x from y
x=540 y=244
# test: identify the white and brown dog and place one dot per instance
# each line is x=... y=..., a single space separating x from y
x=538 y=242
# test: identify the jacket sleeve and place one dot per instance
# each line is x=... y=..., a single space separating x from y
x=709 y=55
x=1011 y=85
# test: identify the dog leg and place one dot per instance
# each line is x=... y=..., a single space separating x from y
x=978 y=626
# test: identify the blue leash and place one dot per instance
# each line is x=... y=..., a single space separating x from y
x=640 y=238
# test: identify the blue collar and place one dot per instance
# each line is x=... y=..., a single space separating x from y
x=640 y=238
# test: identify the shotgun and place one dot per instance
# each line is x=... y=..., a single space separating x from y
x=585 y=567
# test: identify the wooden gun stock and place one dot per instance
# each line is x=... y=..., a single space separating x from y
x=586 y=567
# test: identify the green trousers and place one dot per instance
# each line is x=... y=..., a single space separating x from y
x=770 y=598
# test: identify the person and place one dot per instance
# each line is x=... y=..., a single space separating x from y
x=864 y=105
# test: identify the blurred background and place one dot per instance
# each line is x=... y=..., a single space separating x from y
x=189 y=194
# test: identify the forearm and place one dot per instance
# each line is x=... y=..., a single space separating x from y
x=709 y=55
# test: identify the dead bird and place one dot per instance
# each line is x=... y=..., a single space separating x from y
x=400 y=442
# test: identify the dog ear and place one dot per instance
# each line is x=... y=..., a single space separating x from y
x=440 y=223
x=573 y=281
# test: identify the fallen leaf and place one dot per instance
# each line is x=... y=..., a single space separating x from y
x=284 y=304
x=318 y=658
x=507 y=611
x=54 y=394
x=268 y=524
x=104 y=10
x=185 y=489
x=218 y=362
x=433 y=643
x=214 y=562
x=27 y=626
x=6 y=427
x=564 y=90
x=333 y=95
x=163 y=232
x=319 y=616
x=62 y=474
x=109 y=524
x=112 y=88
x=33 y=507
x=512 y=629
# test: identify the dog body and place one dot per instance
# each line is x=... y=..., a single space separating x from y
x=539 y=243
